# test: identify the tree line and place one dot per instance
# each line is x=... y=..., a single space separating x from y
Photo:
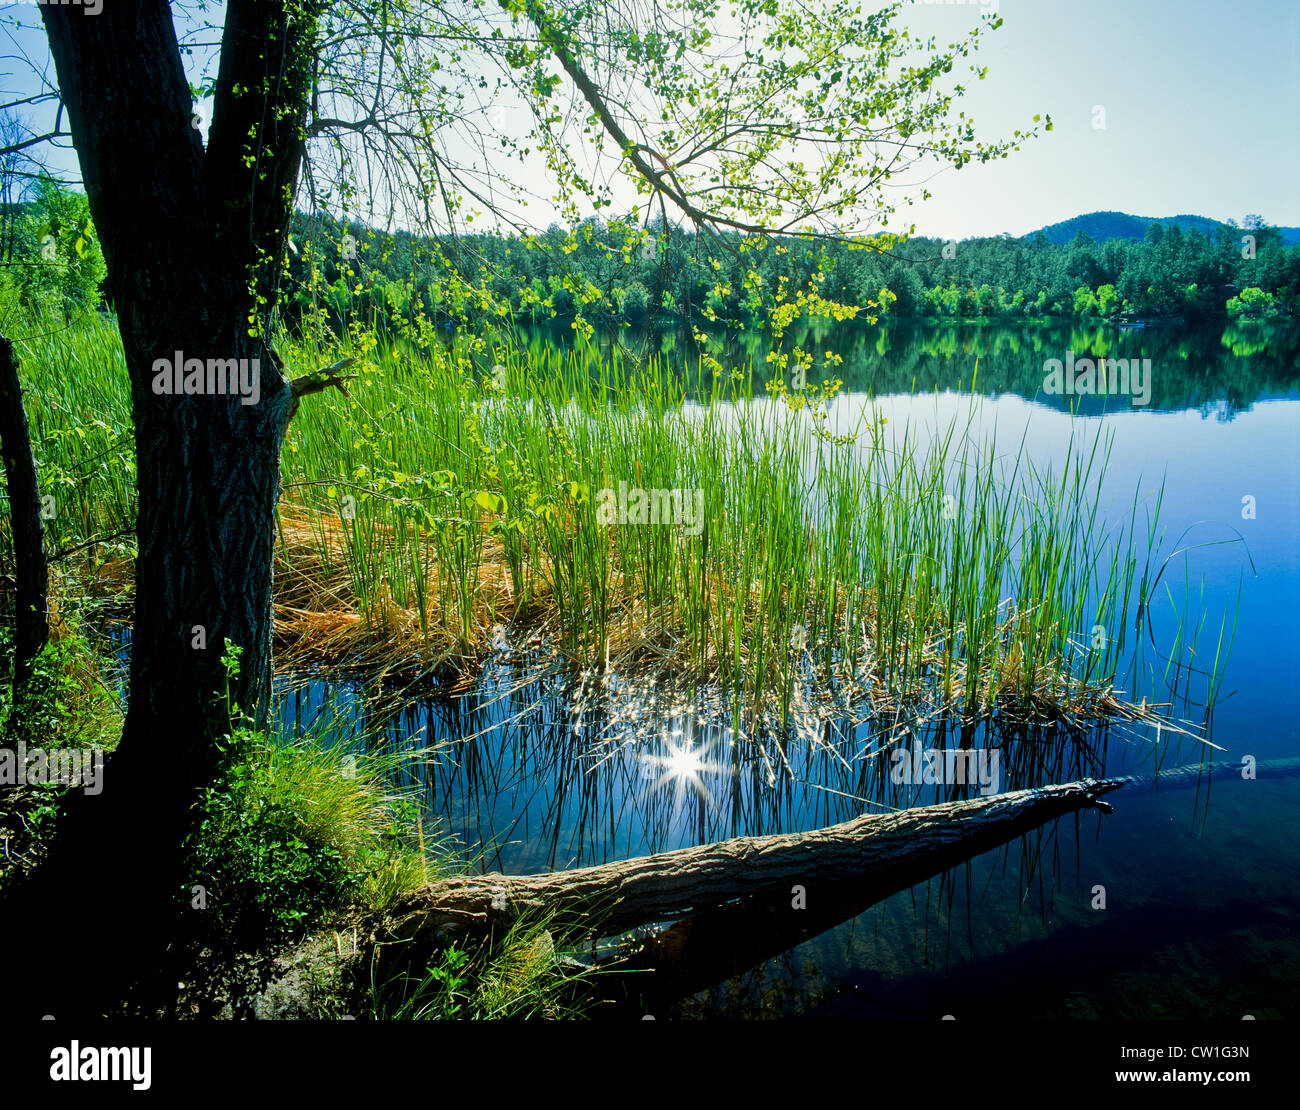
x=338 y=272
x=616 y=270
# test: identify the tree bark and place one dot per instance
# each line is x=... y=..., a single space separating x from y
x=614 y=897
x=193 y=241
x=708 y=948
x=31 y=622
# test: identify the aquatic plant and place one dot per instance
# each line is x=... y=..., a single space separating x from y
x=480 y=498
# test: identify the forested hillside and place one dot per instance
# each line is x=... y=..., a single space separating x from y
x=617 y=271
x=1101 y=226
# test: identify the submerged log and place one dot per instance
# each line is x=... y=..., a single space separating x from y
x=710 y=947
x=612 y=898
x=1201 y=774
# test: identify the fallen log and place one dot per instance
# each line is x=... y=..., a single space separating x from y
x=710 y=947
x=732 y=903
x=612 y=898
x=868 y=856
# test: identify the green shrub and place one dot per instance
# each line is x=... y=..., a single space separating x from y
x=65 y=705
x=1252 y=303
x=264 y=875
x=293 y=831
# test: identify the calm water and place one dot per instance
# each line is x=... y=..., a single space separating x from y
x=534 y=769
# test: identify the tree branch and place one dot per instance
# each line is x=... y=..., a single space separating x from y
x=320 y=380
x=35 y=140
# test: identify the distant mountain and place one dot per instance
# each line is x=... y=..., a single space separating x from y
x=1100 y=226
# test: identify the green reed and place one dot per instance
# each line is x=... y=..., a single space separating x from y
x=460 y=497
x=78 y=402
x=872 y=549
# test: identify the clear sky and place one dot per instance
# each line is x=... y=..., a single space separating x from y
x=1201 y=105
x=1202 y=112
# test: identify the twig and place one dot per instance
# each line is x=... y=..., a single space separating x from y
x=320 y=380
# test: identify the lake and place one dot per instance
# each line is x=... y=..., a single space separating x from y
x=535 y=768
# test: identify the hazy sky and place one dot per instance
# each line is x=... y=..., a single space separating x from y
x=1201 y=103
x=1202 y=112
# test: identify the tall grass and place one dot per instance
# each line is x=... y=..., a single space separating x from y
x=446 y=499
x=519 y=976
x=904 y=560
x=78 y=403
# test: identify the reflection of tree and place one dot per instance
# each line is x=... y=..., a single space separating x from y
x=1222 y=370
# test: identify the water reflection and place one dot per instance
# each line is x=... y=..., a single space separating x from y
x=1218 y=371
x=534 y=768
x=530 y=774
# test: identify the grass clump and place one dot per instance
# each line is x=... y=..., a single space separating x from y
x=921 y=566
x=519 y=976
x=298 y=837
x=66 y=704
x=460 y=500
x=293 y=832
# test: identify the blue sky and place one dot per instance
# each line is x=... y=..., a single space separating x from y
x=1202 y=112
x=1200 y=105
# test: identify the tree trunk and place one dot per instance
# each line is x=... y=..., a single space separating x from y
x=708 y=948
x=31 y=622
x=614 y=897
x=193 y=241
